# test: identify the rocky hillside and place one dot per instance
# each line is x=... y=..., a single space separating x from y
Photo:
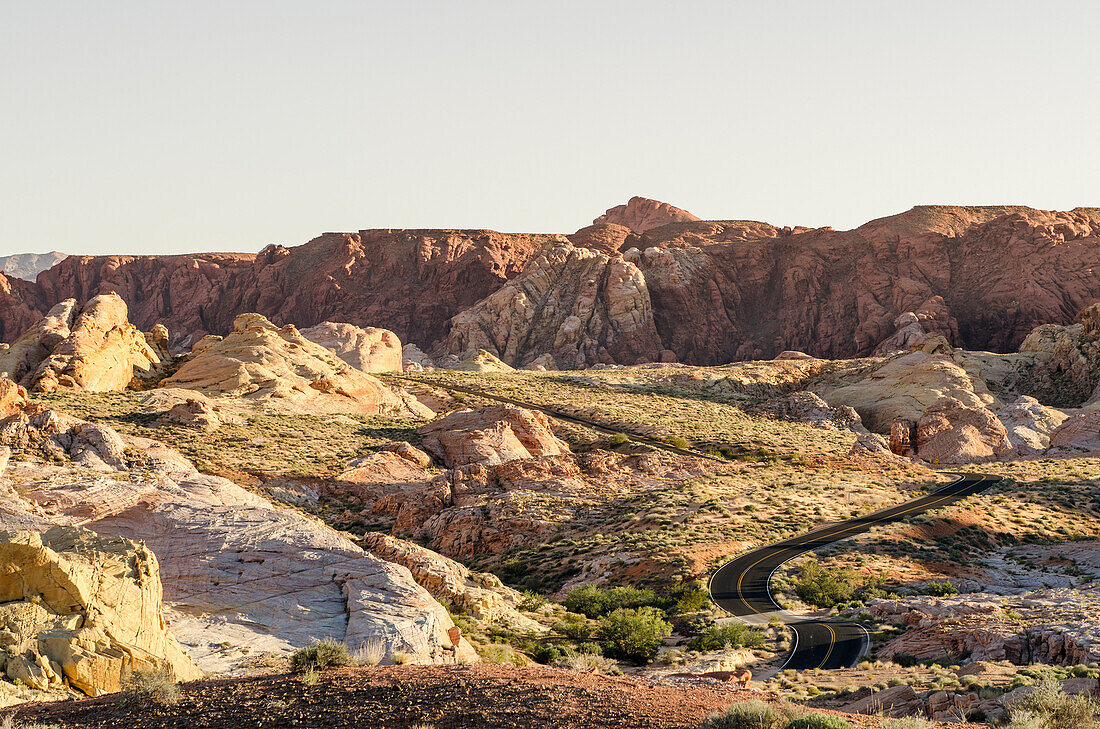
x=666 y=285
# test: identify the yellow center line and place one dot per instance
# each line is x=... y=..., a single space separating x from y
x=832 y=642
x=813 y=537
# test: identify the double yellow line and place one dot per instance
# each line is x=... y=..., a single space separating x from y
x=832 y=536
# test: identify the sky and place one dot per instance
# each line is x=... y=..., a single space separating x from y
x=162 y=127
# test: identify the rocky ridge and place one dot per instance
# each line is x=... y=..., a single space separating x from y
x=719 y=291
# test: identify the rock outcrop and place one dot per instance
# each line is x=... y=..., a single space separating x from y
x=198 y=413
x=82 y=610
x=807 y=407
x=490 y=436
x=92 y=348
x=1079 y=433
x=369 y=349
x=262 y=362
x=235 y=568
x=1029 y=424
x=480 y=594
x=913 y=327
x=951 y=432
x=577 y=305
x=640 y=214
x=904 y=388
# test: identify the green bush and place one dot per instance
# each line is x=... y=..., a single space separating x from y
x=634 y=635
x=619 y=439
x=823 y=588
x=327 y=652
x=575 y=627
x=733 y=635
x=747 y=715
x=940 y=589
x=819 y=721
x=594 y=601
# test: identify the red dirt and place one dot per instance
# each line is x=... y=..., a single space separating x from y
x=398 y=697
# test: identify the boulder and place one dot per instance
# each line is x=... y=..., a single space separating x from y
x=1029 y=424
x=278 y=366
x=369 y=349
x=490 y=436
x=84 y=610
x=1079 y=433
x=951 y=432
x=808 y=407
x=481 y=595
x=481 y=361
x=92 y=348
x=197 y=413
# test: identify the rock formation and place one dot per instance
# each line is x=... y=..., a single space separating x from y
x=368 y=349
x=480 y=594
x=1079 y=433
x=82 y=610
x=904 y=387
x=1029 y=424
x=641 y=214
x=577 y=305
x=719 y=290
x=807 y=407
x=933 y=317
x=262 y=362
x=490 y=436
x=234 y=567
x=92 y=348
x=951 y=432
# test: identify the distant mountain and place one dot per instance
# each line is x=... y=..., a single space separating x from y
x=27 y=266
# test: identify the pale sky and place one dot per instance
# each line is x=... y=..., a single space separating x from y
x=157 y=127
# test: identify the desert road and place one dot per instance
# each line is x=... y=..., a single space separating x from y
x=740 y=587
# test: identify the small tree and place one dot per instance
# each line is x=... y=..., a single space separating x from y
x=634 y=635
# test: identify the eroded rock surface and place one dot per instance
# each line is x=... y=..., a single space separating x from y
x=236 y=569
x=279 y=366
x=577 y=305
x=490 y=436
x=82 y=610
x=92 y=348
x=369 y=349
x=951 y=432
x=640 y=214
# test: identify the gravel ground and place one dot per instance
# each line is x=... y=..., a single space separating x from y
x=399 y=697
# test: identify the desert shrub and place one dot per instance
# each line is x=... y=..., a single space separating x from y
x=940 y=589
x=618 y=439
x=589 y=663
x=531 y=601
x=733 y=635
x=10 y=722
x=678 y=442
x=907 y=722
x=370 y=652
x=500 y=654
x=156 y=686
x=819 y=721
x=575 y=627
x=325 y=653
x=689 y=598
x=1048 y=707
x=634 y=635
x=747 y=715
x=824 y=588
x=593 y=601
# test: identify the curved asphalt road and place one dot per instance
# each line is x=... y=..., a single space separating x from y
x=740 y=587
